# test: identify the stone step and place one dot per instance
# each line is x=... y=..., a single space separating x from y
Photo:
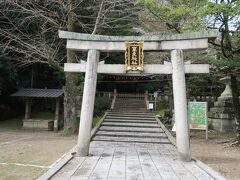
x=131 y=129
x=128 y=136
x=130 y=107
x=125 y=114
x=130 y=100
x=126 y=106
x=142 y=109
x=130 y=124
x=130 y=121
x=128 y=110
x=131 y=134
x=130 y=103
x=132 y=139
x=131 y=113
x=124 y=111
x=131 y=117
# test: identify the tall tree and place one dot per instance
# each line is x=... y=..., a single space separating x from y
x=186 y=15
x=225 y=16
x=29 y=33
x=70 y=88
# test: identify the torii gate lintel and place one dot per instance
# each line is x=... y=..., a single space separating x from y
x=148 y=68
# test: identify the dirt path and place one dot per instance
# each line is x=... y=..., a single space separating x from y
x=220 y=157
x=27 y=154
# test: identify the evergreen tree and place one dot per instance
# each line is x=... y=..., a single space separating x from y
x=187 y=15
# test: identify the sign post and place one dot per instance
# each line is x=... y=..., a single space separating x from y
x=197 y=116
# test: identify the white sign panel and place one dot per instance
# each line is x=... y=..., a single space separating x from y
x=150 y=106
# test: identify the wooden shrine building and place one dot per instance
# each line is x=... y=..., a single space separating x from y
x=28 y=94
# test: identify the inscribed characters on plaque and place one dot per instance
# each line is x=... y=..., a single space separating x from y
x=134 y=56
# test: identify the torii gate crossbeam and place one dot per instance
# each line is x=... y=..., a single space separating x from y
x=148 y=68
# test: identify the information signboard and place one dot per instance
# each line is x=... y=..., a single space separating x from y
x=197 y=116
x=150 y=106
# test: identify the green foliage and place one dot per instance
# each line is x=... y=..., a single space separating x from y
x=14 y=123
x=162 y=105
x=43 y=115
x=195 y=84
x=59 y=75
x=61 y=122
x=9 y=80
x=227 y=62
x=80 y=78
x=8 y=76
x=229 y=9
x=67 y=132
x=178 y=15
x=101 y=105
x=161 y=112
x=96 y=120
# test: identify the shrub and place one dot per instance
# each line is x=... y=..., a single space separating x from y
x=101 y=105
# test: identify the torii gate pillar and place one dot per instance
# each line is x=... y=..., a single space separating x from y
x=89 y=91
x=180 y=105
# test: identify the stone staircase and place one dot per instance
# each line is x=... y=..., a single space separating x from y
x=129 y=105
x=132 y=127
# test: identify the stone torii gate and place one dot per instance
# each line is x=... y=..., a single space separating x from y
x=175 y=44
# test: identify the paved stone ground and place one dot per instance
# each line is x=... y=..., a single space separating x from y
x=131 y=146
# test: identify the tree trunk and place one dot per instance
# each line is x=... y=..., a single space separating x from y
x=70 y=89
x=70 y=92
x=236 y=105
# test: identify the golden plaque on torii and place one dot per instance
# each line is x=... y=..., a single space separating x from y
x=134 y=56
